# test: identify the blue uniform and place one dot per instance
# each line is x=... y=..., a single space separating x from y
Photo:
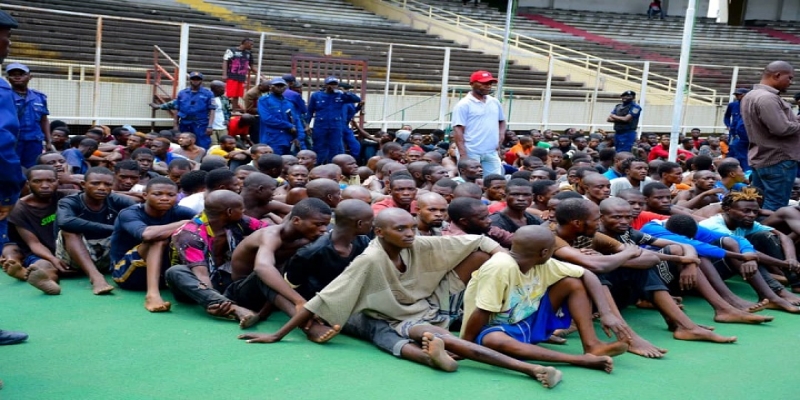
x=193 y=108
x=625 y=132
x=11 y=180
x=737 y=134
x=31 y=108
x=350 y=111
x=278 y=116
x=328 y=112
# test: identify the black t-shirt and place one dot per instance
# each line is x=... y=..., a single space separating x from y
x=632 y=236
x=132 y=222
x=502 y=221
x=238 y=63
x=75 y=217
x=315 y=265
x=39 y=221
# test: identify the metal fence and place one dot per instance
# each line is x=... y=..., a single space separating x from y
x=98 y=69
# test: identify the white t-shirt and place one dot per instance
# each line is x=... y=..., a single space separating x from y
x=481 y=122
x=197 y=202
x=219 y=115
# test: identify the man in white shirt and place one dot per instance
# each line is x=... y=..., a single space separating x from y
x=222 y=114
x=479 y=124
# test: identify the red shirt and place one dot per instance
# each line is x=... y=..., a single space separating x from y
x=235 y=130
x=660 y=152
x=645 y=217
x=389 y=203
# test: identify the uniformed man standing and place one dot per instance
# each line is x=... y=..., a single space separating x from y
x=195 y=106
x=11 y=180
x=326 y=107
x=625 y=117
x=281 y=125
x=32 y=112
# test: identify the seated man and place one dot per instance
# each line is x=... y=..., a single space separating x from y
x=32 y=242
x=432 y=214
x=85 y=222
x=518 y=299
x=126 y=176
x=66 y=180
x=635 y=170
x=227 y=149
x=201 y=264
x=519 y=197
x=296 y=177
x=349 y=168
x=257 y=192
x=139 y=241
x=403 y=193
x=704 y=192
x=218 y=179
x=577 y=231
x=470 y=216
x=424 y=271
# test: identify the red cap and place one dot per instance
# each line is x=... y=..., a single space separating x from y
x=482 y=77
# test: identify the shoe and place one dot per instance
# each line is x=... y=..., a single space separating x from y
x=11 y=337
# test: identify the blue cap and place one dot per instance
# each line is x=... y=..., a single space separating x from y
x=129 y=129
x=331 y=79
x=292 y=81
x=196 y=74
x=7 y=21
x=742 y=91
x=277 y=81
x=13 y=66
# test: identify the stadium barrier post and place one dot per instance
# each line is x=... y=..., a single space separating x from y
x=386 y=88
x=98 y=52
x=643 y=95
x=548 y=92
x=260 y=58
x=443 y=103
x=183 y=56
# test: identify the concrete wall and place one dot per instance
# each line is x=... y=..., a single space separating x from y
x=783 y=10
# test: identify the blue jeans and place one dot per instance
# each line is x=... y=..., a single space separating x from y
x=623 y=141
x=490 y=162
x=738 y=150
x=776 y=183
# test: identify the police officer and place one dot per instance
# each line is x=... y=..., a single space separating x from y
x=34 y=127
x=625 y=117
x=295 y=95
x=737 y=134
x=326 y=107
x=281 y=125
x=349 y=137
x=195 y=106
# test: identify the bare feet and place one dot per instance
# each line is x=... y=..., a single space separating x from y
x=780 y=278
x=774 y=304
x=698 y=333
x=100 y=287
x=555 y=339
x=318 y=332
x=607 y=349
x=246 y=317
x=14 y=269
x=643 y=348
x=752 y=307
x=647 y=304
x=156 y=304
x=44 y=281
x=591 y=361
x=548 y=376
x=434 y=348
x=790 y=297
x=565 y=332
x=737 y=316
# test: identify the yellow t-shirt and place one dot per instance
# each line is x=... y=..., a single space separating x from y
x=511 y=296
x=217 y=151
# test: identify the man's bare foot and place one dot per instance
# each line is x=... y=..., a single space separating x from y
x=43 y=281
x=246 y=317
x=592 y=361
x=156 y=304
x=698 y=333
x=737 y=316
x=548 y=376
x=101 y=287
x=434 y=348
x=14 y=269
x=607 y=349
x=318 y=332
x=555 y=339
x=795 y=289
x=751 y=307
x=780 y=278
x=774 y=304
x=647 y=304
x=643 y=348
x=565 y=332
x=790 y=297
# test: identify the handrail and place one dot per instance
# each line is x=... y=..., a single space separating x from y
x=174 y=64
x=533 y=44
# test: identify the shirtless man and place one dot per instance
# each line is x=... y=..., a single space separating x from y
x=702 y=193
x=296 y=177
x=257 y=192
x=413 y=311
x=189 y=149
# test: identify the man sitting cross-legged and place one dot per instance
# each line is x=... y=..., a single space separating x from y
x=32 y=238
x=140 y=238
x=518 y=299
x=85 y=222
x=406 y=281
x=625 y=268
x=201 y=250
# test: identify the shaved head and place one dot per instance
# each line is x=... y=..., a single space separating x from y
x=611 y=203
x=328 y=171
x=532 y=239
x=431 y=198
x=350 y=211
x=256 y=179
x=389 y=216
x=358 y=193
x=219 y=201
x=777 y=67
x=323 y=189
x=594 y=179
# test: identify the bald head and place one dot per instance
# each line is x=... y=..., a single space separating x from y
x=217 y=84
x=220 y=201
x=323 y=189
x=595 y=179
x=358 y=193
x=533 y=240
x=256 y=179
x=613 y=203
x=327 y=171
x=342 y=159
x=778 y=75
x=351 y=211
x=390 y=216
x=431 y=199
x=777 y=67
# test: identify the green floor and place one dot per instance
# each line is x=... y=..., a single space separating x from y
x=88 y=347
